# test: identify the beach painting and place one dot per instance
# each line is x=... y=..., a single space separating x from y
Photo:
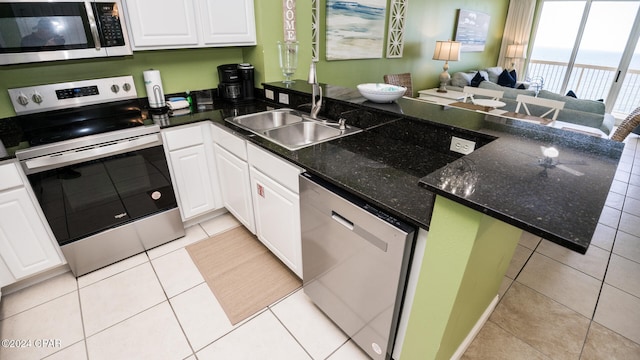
x=472 y=30
x=355 y=29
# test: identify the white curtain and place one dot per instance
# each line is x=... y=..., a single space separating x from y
x=517 y=30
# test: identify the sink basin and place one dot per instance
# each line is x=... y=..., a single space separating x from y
x=290 y=129
x=300 y=134
x=268 y=119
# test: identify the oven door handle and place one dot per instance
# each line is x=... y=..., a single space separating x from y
x=89 y=154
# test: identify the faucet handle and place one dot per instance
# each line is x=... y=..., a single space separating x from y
x=313 y=78
x=342 y=122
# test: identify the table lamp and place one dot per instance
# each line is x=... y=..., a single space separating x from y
x=447 y=51
x=515 y=51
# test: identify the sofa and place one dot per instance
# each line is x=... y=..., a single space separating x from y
x=584 y=112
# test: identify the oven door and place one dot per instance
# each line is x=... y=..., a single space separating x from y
x=86 y=198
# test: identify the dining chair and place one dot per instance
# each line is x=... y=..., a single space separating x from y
x=470 y=91
x=554 y=106
x=403 y=79
x=627 y=125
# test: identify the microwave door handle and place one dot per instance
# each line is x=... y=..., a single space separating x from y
x=94 y=31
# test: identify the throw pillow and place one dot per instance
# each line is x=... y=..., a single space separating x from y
x=572 y=94
x=461 y=79
x=493 y=73
x=521 y=87
x=514 y=75
x=505 y=79
x=477 y=79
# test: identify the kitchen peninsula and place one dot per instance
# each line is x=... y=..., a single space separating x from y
x=522 y=176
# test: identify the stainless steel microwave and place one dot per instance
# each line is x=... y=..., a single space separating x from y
x=40 y=30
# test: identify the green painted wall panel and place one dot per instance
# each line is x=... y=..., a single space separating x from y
x=185 y=69
x=466 y=256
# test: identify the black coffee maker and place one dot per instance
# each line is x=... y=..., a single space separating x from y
x=236 y=82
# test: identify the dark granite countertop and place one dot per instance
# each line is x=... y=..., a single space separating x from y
x=507 y=177
x=402 y=159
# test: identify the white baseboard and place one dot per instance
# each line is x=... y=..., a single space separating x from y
x=476 y=329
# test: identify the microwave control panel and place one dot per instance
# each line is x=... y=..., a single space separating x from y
x=107 y=15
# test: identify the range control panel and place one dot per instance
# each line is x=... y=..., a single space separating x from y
x=39 y=98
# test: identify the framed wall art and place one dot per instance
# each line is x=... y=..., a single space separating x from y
x=472 y=30
x=355 y=29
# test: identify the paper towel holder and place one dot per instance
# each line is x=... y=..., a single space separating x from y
x=153 y=85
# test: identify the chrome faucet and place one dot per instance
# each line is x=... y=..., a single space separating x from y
x=316 y=92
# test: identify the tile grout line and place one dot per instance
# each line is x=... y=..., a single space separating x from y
x=175 y=316
x=84 y=330
x=289 y=332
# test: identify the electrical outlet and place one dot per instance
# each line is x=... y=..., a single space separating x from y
x=283 y=98
x=269 y=94
x=462 y=146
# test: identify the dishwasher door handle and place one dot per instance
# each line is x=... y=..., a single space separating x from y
x=372 y=239
x=342 y=220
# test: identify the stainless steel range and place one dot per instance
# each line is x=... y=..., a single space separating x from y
x=100 y=174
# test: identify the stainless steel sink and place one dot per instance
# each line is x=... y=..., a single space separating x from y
x=291 y=129
x=268 y=119
x=300 y=134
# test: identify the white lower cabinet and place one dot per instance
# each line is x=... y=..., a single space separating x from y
x=277 y=212
x=276 y=206
x=26 y=247
x=235 y=186
x=193 y=170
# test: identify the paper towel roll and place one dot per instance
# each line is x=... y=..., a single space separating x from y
x=153 y=84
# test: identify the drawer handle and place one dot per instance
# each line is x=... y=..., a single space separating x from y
x=342 y=220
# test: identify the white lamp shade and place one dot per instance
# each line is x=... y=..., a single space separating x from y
x=447 y=51
x=516 y=51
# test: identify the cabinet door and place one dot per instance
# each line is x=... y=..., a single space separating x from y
x=161 y=23
x=277 y=214
x=235 y=184
x=25 y=244
x=225 y=22
x=193 y=181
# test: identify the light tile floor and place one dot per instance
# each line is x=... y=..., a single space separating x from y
x=558 y=304
x=555 y=304
x=156 y=305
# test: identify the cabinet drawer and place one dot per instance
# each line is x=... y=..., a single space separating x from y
x=278 y=169
x=183 y=137
x=229 y=142
x=10 y=176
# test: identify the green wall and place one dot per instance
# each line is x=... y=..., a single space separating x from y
x=465 y=259
x=427 y=21
x=193 y=69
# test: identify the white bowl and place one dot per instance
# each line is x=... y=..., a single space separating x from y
x=381 y=93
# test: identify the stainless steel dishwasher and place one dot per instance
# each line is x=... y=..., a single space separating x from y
x=355 y=260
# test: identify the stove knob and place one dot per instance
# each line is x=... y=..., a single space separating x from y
x=115 y=88
x=126 y=86
x=37 y=98
x=23 y=100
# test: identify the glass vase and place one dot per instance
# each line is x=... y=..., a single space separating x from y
x=288 y=55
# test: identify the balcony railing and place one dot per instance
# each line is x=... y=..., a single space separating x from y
x=589 y=82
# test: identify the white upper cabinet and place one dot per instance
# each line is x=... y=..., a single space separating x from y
x=174 y=24
x=227 y=22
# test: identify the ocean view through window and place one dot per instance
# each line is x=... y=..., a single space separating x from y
x=590 y=47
